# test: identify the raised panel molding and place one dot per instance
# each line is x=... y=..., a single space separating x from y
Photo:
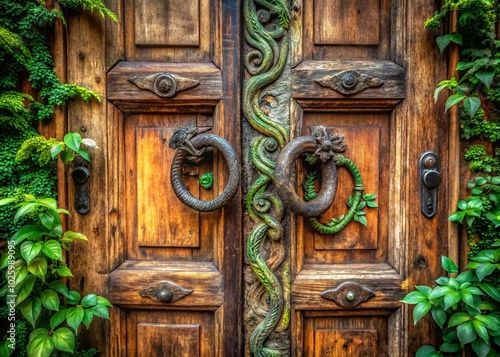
x=345 y=343
x=170 y=340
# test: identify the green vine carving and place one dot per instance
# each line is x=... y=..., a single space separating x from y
x=207 y=180
x=265 y=63
x=356 y=203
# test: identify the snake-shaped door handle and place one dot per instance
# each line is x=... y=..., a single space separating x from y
x=186 y=142
x=321 y=144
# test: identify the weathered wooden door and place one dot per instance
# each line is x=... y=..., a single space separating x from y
x=253 y=278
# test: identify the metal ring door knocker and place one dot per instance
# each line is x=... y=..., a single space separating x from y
x=323 y=145
x=186 y=142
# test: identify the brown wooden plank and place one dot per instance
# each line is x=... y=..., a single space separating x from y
x=231 y=248
x=171 y=31
x=169 y=23
x=157 y=227
x=345 y=343
x=314 y=279
x=168 y=340
x=338 y=22
x=133 y=276
x=126 y=95
x=304 y=77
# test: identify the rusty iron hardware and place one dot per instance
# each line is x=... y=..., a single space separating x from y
x=165 y=292
x=348 y=294
x=189 y=145
x=321 y=144
x=349 y=82
x=430 y=178
x=81 y=175
x=164 y=85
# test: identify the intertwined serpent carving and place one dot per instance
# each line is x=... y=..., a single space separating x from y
x=185 y=144
x=266 y=25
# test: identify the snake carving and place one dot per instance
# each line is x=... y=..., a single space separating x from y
x=266 y=26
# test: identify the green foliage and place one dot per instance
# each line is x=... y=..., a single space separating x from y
x=481 y=161
x=36 y=251
x=89 y=5
x=465 y=307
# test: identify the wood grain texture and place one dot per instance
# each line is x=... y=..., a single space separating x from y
x=127 y=96
x=171 y=31
x=338 y=22
x=169 y=23
x=313 y=279
x=345 y=343
x=304 y=78
x=133 y=276
x=171 y=340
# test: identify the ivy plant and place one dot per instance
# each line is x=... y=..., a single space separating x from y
x=35 y=267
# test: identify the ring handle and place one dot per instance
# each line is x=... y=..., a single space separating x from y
x=322 y=144
x=184 y=142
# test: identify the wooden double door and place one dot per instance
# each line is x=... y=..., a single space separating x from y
x=252 y=278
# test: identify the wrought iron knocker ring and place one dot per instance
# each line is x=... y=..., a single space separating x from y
x=322 y=144
x=184 y=142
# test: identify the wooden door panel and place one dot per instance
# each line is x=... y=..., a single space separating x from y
x=172 y=31
x=172 y=334
x=338 y=39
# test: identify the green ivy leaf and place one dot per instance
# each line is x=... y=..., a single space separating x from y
x=40 y=344
x=63 y=270
x=103 y=301
x=486 y=76
x=52 y=249
x=58 y=318
x=451 y=299
x=420 y=310
x=50 y=220
x=56 y=149
x=449 y=347
x=70 y=235
x=24 y=210
x=5 y=350
x=84 y=153
x=64 y=339
x=88 y=316
x=427 y=351
x=491 y=290
x=458 y=318
x=67 y=155
x=89 y=300
x=100 y=311
x=50 y=299
x=439 y=291
x=466 y=333
x=31 y=309
x=21 y=270
x=485 y=269
x=25 y=288
x=74 y=316
x=38 y=267
x=448 y=264
x=73 y=141
x=7 y=200
x=481 y=330
x=27 y=232
x=60 y=287
x=73 y=297
x=471 y=105
x=453 y=100
x=439 y=316
x=29 y=250
x=481 y=348
x=414 y=298
x=457 y=216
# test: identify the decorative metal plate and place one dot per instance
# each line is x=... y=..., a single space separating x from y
x=165 y=292
x=164 y=85
x=348 y=294
x=349 y=82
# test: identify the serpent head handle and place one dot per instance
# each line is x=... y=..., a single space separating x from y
x=186 y=141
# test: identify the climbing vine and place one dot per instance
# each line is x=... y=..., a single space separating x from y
x=29 y=92
x=467 y=306
x=265 y=63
